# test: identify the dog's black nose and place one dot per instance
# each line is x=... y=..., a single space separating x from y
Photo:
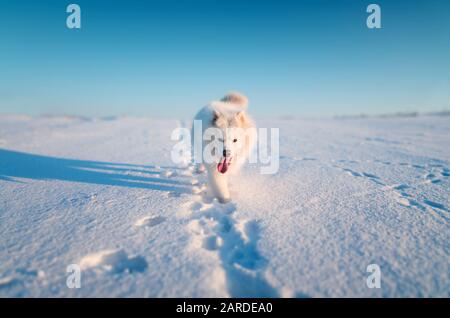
x=226 y=153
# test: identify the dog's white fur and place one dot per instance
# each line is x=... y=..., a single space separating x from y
x=230 y=116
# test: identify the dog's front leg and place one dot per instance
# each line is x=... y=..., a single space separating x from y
x=219 y=185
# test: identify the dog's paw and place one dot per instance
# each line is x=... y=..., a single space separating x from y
x=224 y=200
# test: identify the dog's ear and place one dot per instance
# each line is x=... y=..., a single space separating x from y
x=240 y=117
x=216 y=116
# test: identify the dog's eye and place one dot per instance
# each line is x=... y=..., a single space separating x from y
x=234 y=140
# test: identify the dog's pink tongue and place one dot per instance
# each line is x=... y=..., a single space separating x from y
x=223 y=165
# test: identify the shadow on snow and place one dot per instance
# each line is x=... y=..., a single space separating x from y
x=14 y=164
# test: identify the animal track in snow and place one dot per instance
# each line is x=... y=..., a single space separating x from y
x=367 y=175
x=198 y=186
x=351 y=172
x=114 y=261
x=79 y=200
x=150 y=221
x=197 y=206
x=431 y=176
x=306 y=159
x=236 y=244
x=399 y=190
x=9 y=281
x=298 y=158
x=20 y=277
x=382 y=140
x=383 y=162
x=434 y=181
x=215 y=229
x=212 y=242
x=437 y=209
x=400 y=187
x=30 y=273
x=174 y=194
x=445 y=172
x=436 y=205
x=402 y=200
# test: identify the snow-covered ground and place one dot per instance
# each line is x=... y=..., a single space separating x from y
x=104 y=194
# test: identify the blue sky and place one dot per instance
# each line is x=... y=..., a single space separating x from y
x=167 y=58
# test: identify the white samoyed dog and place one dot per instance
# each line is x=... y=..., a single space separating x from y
x=227 y=139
